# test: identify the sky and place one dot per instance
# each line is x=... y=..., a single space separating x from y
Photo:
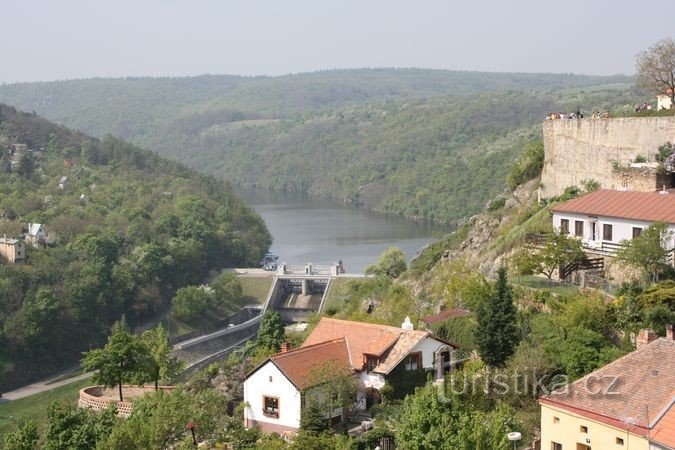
x=67 y=39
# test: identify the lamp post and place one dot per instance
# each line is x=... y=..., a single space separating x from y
x=514 y=437
x=191 y=426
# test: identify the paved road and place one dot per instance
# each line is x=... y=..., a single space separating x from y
x=42 y=386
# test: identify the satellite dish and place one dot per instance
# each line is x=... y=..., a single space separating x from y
x=514 y=436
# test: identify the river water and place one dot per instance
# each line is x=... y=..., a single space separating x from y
x=323 y=231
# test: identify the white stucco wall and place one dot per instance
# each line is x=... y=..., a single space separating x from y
x=371 y=380
x=428 y=347
x=259 y=385
x=663 y=102
x=622 y=229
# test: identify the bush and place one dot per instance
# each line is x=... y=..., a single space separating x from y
x=189 y=302
x=529 y=165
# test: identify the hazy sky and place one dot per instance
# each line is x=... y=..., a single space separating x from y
x=50 y=39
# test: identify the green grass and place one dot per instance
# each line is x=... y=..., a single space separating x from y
x=255 y=288
x=35 y=407
x=334 y=292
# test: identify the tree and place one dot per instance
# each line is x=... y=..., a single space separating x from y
x=655 y=68
x=529 y=165
x=123 y=358
x=228 y=289
x=391 y=263
x=428 y=421
x=189 y=302
x=333 y=387
x=77 y=428
x=496 y=333
x=557 y=251
x=159 y=418
x=271 y=333
x=161 y=364
x=26 y=165
x=650 y=250
x=26 y=437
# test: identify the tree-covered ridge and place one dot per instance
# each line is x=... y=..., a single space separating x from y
x=428 y=144
x=130 y=229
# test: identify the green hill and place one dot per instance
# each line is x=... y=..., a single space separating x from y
x=428 y=144
x=129 y=228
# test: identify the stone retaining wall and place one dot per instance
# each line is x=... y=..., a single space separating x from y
x=99 y=398
x=589 y=149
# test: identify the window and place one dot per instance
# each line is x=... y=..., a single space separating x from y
x=607 y=232
x=556 y=446
x=271 y=406
x=637 y=231
x=270 y=378
x=371 y=363
x=413 y=361
x=619 y=441
x=556 y=420
x=579 y=228
x=583 y=429
x=564 y=226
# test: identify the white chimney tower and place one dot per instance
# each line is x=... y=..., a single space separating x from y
x=407 y=324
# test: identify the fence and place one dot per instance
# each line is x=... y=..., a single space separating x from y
x=534 y=282
x=568 y=287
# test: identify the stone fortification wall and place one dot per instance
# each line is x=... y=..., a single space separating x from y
x=585 y=149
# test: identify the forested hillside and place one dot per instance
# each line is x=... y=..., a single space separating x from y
x=129 y=228
x=427 y=144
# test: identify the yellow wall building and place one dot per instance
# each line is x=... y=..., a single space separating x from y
x=627 y=405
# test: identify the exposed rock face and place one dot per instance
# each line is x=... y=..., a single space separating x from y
x=475 y=248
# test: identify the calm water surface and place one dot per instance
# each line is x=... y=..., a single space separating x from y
x=322 y=231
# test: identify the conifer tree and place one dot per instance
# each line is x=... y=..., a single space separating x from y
x=497 y=332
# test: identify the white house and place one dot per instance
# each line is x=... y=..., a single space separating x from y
x=604 y=218
x=37 y=236
x=663 y=101
x=274 y=391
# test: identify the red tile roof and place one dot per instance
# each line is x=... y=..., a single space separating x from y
x=300 y=365
x=362 y=338
x=627 y=393
x=387 y=342
x=664 y=429
x=445 y=315
x=647 y=206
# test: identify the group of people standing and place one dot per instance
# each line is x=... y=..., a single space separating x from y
x=643 y=107
x=562 y=115
x=576 y=115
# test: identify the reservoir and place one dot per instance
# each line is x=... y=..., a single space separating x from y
x=323 y=231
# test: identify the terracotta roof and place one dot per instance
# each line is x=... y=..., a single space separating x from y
x=625 y=391
x=445 y=315
x=647 y=206
x=404 y=345
x=297 y=365
x=663 y=431
x=362 y=338
x=391 y=344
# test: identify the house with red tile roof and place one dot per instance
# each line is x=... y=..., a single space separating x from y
x=605 y=218
x=627 y=404
x=275 y=390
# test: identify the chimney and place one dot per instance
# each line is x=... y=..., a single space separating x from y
x=285 y=347
x=644 y=337
x=669 y=332
x=407 y=324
